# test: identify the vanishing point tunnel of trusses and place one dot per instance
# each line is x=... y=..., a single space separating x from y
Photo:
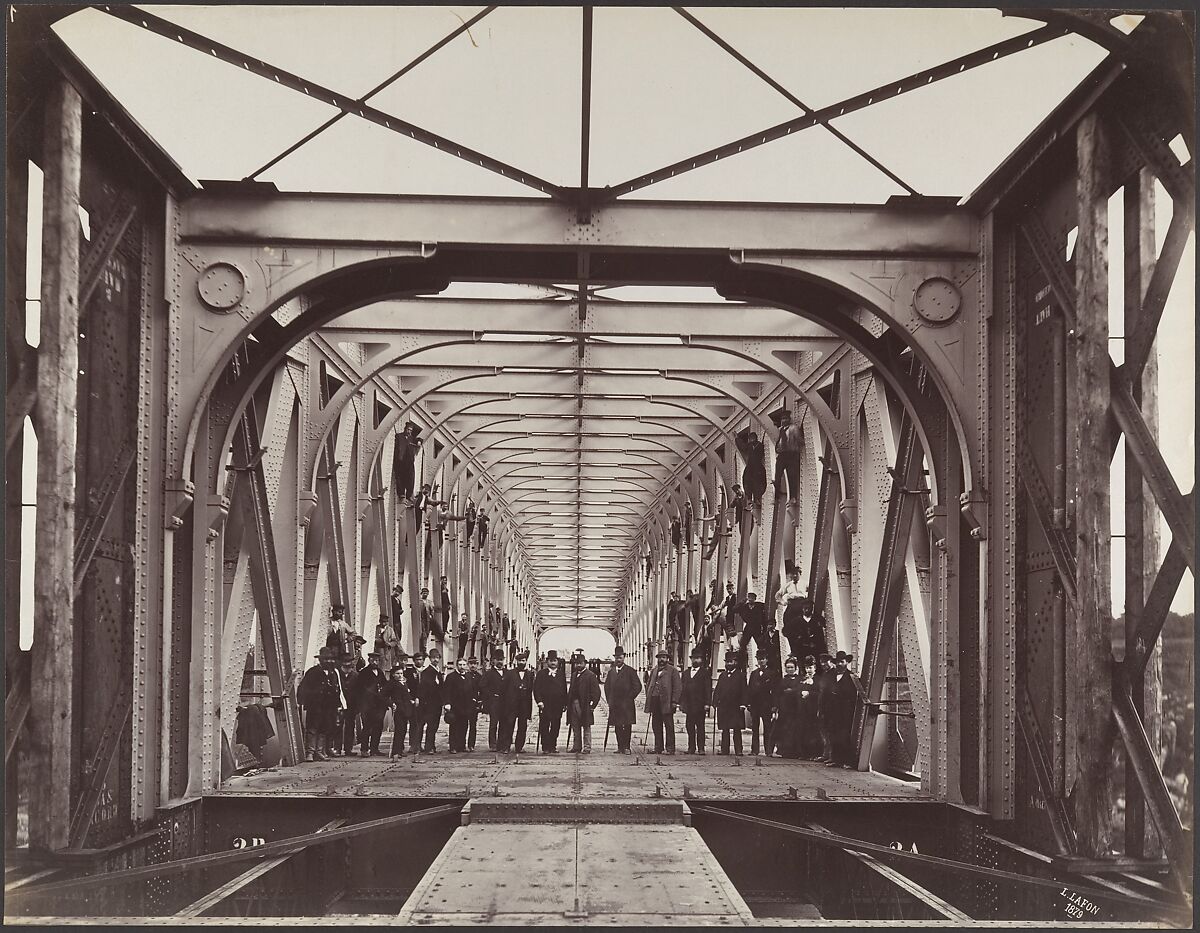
x=221 y=392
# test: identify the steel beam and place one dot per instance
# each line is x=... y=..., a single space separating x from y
x=470 y=222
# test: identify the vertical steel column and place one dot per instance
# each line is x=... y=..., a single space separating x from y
x=208 y=518
x=1090 y=730
x=52 y=699
x=331 y=517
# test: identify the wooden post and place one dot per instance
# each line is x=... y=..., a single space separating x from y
x=16 y=196
x=1090 y=730
x=51 y=717
x=1141 y=534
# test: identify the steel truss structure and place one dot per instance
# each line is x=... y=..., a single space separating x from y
x=230 y=479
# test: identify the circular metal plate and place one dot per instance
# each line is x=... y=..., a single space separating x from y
x=937 y=300
x=222 y=286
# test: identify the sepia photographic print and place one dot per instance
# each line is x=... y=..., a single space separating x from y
x=599 y=466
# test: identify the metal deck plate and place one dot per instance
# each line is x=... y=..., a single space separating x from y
x=581 y=874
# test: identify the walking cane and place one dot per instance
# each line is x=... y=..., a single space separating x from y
x=607 y=729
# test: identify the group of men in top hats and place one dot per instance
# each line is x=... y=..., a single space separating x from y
x=344 y=700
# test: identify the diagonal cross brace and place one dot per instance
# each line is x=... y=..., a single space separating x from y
x=88 y=537
x=1056 y=809
x=265 y=582
x=885 y=604
x=194 y=40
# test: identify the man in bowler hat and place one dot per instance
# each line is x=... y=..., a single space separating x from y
x=621 y=689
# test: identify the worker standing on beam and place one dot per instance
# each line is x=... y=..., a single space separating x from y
x=404 y=458
x=787 y=456
x=754 y=474
x=789 y=603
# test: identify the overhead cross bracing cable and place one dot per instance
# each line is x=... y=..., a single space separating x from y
x=849 y=105
x=200 y=43
x=793 y=99
x=388 y=82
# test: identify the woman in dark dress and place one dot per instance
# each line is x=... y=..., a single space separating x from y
x=810 y=736
x=788 y=704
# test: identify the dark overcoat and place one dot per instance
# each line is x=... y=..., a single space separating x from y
x=695 y=691
x=582 y=698
x=621 y=689
x=491 y=691
x=459 y=693
x=729 y=698
x=318 y=694
x=518 y=693
x=371 y=689
x=760 y=691
x=550 y=689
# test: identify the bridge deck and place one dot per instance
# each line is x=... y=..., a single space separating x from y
x=600 y=775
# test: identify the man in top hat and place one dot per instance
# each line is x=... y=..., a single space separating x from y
x=476 y=677
x=730 y=701
x=754 y=614
x=401 y=700
x=843 y=693
x=404 y=459
x=492 y=697
x=582 y=698
x=621 y=689
x=318 y=696
x=662 y=702
x=760 y=700
x=428 y=706
x=823 y=681
x=372 y=694
x=347 y=732
x=396 y=603
x=517 y=704
x=412 y=680
x=809 y=636
x=788 y=448
x=695 y=697
x=550 y=694
x=458 y=697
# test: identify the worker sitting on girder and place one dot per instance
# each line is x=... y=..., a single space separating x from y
x=754 y=474
x=787 y=455
x=404 y=460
